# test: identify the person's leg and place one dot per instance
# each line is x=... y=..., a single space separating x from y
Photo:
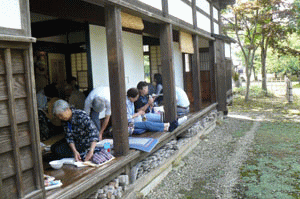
x=95 y=118
x=61 y=149
x=153 y=117
x=150 y=126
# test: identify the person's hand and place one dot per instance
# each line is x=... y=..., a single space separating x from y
x=150 y=101
x=77 y=156
x=89 y=155
x=141 y=112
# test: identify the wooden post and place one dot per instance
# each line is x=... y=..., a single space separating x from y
x=212 y=71
x=14 y=127
x=221 y=77
x=167 y=61
x=196 y=75
x=117 y=79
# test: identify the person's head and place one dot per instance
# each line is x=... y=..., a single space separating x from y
x=61 y=109
x=157 y=78
x=133 y=94
x=68 y=90
x=98 y=104
x=51 y=91
x=143 y=88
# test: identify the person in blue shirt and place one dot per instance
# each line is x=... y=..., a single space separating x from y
x=133 y=117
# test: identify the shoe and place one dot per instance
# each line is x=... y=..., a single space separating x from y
x=173 y=125
x=182 y=120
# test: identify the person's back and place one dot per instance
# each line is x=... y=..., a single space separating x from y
x=182 y=102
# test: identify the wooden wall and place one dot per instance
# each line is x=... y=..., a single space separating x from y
x=20 y=161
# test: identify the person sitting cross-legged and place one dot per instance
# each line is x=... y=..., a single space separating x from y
x=132 y=96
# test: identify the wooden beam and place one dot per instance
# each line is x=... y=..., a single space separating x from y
x=194 y=10
x=196 y=75
x=167 y=61
x=13 y=122
x=165 y=8
x=117 y=79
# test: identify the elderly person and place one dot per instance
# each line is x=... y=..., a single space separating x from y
x=98 y=101
x=81 y=134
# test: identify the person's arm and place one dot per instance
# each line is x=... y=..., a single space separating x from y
x=89 y=155
x=158 y=89
x=103 y=126
x=144 y=108
x=75 y=152
x=88 y=104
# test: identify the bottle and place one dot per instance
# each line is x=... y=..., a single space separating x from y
x=107 y=147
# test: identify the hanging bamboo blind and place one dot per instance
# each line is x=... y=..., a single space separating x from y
x=186 y=42
x=133 y=22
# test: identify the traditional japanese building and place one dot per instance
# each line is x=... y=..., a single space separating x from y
x=114 y=43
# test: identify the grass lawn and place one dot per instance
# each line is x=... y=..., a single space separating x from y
x=272 y=169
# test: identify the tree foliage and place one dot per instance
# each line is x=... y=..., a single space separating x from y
x=259 y=24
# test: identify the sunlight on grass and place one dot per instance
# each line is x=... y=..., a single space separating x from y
x=274 y=104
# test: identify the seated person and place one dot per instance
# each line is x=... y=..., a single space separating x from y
x=159 y=88
x=132 y=96
x=74 y=96
x=81 y=134
x=182 y=102
x=96 y=102
x=145 y=103
x=49 y=125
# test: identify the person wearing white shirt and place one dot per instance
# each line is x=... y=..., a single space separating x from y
x=182 y=102
x=97 y=102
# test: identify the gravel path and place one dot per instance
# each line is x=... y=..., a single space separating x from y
x=211 y=170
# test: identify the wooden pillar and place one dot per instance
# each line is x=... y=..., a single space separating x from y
x=196 y=75
x=221 y=76
x=212 y=71
x=117 y=79
x=167 y=61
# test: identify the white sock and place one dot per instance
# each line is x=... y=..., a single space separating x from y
x=182 y=120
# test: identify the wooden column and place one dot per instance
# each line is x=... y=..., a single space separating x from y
x=212 y=71
x=117 y=79
x=167 y=61
x=194 y=10
x=196 y=75
x=221 y=76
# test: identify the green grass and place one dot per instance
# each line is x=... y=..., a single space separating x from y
x=273 y=170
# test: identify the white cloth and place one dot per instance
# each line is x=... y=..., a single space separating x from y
x=181 y=98
x=104 y=93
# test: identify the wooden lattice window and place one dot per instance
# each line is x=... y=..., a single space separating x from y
x=80 y=69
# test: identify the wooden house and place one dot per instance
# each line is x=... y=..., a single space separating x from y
x=101 y=43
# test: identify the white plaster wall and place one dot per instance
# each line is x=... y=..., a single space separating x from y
x=133 y=57
x=181 y=10
x=10 y=14
x=99 y=56
x=178 y=65
x=154 y=3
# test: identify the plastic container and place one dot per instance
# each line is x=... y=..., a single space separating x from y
x=107 y=146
